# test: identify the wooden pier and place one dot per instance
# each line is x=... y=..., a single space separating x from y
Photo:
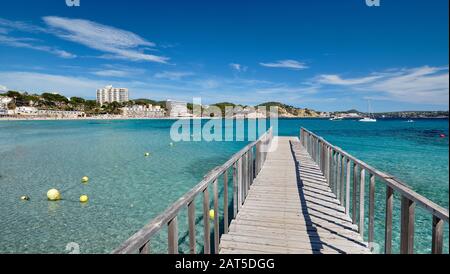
x=291 y=209
x=291 y=195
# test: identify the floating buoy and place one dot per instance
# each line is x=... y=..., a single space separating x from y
x=211 y=214
x=442 y=135
x=147 y=154
x=171 y=144
x=53 y=195
x=85 y=179
x=84 y=198
x=25 y=198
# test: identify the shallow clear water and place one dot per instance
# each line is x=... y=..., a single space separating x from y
x=126 y=189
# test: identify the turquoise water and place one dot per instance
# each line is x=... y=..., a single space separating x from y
x=126 y=189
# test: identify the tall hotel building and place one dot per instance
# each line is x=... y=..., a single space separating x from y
x=109 y=94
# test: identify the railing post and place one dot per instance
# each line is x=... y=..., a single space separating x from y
x=216 y=217
x=347 y=188
x=145 y=249
x=235 y=190
x=239 y=181
x=335 y=173
x=355 y=189
x=173 y=236
x=388 y=219
x=342 y=181
x=361 y=201
x=338 y=176
x=371 y=210
x=191 y=224
x=329 y=166
x=225 y=202
x=407 y=226
x=437 y=240
x=206 y=230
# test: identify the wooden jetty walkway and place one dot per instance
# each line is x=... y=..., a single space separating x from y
x=298 y=195
x=291 y=209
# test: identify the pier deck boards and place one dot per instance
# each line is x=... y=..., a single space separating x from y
x=291 y=209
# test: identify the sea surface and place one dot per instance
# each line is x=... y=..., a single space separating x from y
x=127 y=189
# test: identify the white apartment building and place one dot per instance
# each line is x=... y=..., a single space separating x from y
x=109 y=94
x=177 y=109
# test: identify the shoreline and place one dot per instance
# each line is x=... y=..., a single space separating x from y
x=176 y=118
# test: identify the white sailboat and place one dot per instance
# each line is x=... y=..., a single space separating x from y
x=370 y=118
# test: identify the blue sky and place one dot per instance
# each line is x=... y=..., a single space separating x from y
x=325 y=55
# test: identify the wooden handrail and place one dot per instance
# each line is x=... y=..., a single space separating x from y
x=243 y=175
x=327 y=157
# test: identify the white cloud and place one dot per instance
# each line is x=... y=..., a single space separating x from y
x=172 y=75
x=421 y=85
x=417 y=85
x=25 y=43
x=39 y=82
x=290 y=64
x=116 y=43
x=330 y=79
x=238 y=67
x=111 y=73
x=20 y=26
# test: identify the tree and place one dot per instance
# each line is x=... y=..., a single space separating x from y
x=77 y=100
x=54 y=97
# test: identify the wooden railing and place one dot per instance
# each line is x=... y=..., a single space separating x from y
x=338 y=166
x=245 y=165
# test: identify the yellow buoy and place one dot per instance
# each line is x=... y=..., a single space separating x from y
x=211 y=214
x=53 y=195
x=25 y=198
x=85 y=179
x=84 y=198
x=147 y=154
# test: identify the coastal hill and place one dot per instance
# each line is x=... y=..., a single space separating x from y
x=397 y=114
x=290 y=111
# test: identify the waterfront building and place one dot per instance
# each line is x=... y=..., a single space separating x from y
x=138 y=111
x=60 y=114
x=110 y=94
x=4 y=101
x=26 y=111
x=177 y=109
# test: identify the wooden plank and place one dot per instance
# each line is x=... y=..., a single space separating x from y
x=388 y=220
x=225 y=202
x=206 y=230
x=172 y=234
x=407 y=226
x=371 y=210
x=279 y=217
x=216 y=217
x=191 y=224
x=437 y=236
